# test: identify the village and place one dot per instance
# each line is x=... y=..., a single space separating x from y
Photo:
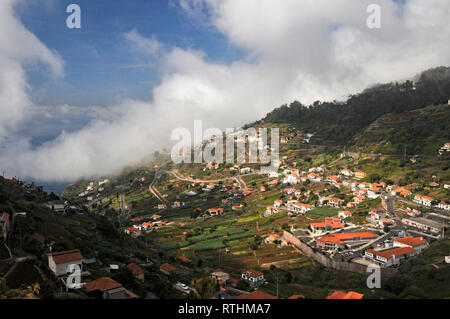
x=238 y=225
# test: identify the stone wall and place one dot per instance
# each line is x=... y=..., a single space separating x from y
x=331 y=263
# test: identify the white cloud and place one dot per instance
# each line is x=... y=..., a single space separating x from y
x=305 y=50
x=18 y=47
x=149 y=46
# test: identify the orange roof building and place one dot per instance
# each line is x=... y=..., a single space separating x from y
x=137 y=271
x=109 y=288
x=59 y=261
x=167 y=268
x=338 y=294
x=297 y=297
x=184 y=259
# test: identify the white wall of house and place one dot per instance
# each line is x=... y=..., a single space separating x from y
x=61 y=269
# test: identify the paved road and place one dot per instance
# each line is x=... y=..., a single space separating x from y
x=237 y=178
x=152 y=188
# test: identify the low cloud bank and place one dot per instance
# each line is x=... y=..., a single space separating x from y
x=295 y=50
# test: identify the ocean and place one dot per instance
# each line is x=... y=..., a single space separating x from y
x=52 y=187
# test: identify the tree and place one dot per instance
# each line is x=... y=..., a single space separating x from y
x=243 y=285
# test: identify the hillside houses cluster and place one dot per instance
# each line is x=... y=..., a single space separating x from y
x=75 y=271
x=145 y=224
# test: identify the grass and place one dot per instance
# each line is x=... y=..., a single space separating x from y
x=324 y=212
x=210 y=245
x=219 y=233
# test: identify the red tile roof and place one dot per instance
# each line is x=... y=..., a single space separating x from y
x=392 y=252
x=253 y=273
x=185 y=259
x=135 y=269
x=167 y=267
x=339 y=238
x=297 y=297
x=67 y=256
x=103 y=284
x=258 y=294
x=345 y=295
x=425 y=197
x=411 y=241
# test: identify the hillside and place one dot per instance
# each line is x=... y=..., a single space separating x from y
x=421 y=132
x=337 y=122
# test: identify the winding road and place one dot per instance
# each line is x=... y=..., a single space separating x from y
x=152 y=188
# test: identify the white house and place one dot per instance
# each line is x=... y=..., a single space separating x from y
x=444 y=205
x=277 y=203
x=253 y=277
x=346 y=172
x=57 y=206
x=299 y=207
x=344 y=214
x=60 y=261
x=424 y=200
x=290 y=179
x=273 y=175
x=390 y=257
x=418 y=243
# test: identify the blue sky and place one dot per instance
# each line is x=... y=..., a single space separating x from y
x=100 y=67
x=227 y=63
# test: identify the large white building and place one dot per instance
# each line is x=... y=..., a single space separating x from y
x=418 y=243
x=390 y=257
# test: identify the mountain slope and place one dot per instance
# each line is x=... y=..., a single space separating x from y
x=338 y=122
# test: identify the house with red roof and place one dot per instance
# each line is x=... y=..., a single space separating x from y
x=424 y=200
x=320 y=228
x=360 y=174
x=338 y=294
x=331 y=201
x=300 y=207
x=389 y=257
x=214 y=211
x=297 y=297
x=167 y=269
x=444 y=205
x=253 y=277
x=108 y=288
x=418 y=243
x=383 y=222
x=58 y=262
x=344 y=214
x=359 y=199
x=272 y=238
x=137 y=271
x=277 y=203
x=184 y=259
